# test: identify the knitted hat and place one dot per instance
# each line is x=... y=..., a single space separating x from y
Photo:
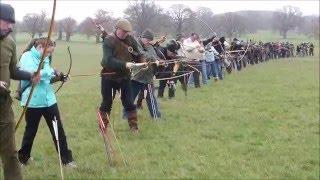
x=7 y=13
x=147 y=34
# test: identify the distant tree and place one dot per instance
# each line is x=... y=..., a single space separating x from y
x=309 y=26
x=59 y=28
x=180 y=14
x=87 y=27
x=30 y=24
x=105 y=19
x=204 y=16
x=287 y=18
x=42 y=23
x=33 y=23
x=232 y=25
x=68 y=25
x=142 y=13
x=162 y=24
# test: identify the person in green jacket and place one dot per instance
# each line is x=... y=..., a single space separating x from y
x=9 y=70
x=143 y=78
x=120 y=56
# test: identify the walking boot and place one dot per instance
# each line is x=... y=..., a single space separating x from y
x=133 y=121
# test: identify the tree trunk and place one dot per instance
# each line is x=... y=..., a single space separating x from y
x=60 y=35
x=97 y=38
x=68 y=35
x=284 y=34
x=179 y=28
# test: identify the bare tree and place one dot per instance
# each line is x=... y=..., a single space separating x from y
x=68 y=24
x=180 y=14
x=309 y=26
x=162 y=24
x=232 y=24
x=59 y=28
x=141 y=13
x=105 y=19
x=204 y=21
x=35 y=23
x=30 y=23
x=87 y=27
x=286 y=19
x=42 y=23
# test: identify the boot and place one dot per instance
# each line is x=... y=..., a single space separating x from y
x=133 y=121
x=105 y=118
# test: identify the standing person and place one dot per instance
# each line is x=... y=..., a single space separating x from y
x=311 y=47
x=169 y=52
x=194 y=50
x=119 y=54
x=143 y=78
x=43 y=102
x=210 y=55
x=9 y=70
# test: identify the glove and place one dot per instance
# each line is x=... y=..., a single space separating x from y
x=64 y=78
x=129 y=65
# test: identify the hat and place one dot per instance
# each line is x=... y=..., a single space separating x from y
x=179 y=36
x=7 y=13
x=173 y=46
x=124 y=24
x=147 y=34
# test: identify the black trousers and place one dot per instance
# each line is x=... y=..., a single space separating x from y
x=162 y=86
x=33 y=116
x=107 y=88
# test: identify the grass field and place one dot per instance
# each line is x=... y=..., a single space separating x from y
x=260 y=123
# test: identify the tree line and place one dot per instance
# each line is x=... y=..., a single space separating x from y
x=177 y=19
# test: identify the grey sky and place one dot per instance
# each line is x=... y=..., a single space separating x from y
x=79 y=10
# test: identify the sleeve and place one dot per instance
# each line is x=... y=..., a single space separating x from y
x=47 y=73
x=215 y=52
x=188 y=46
x=15 y=72
x=205 y=42
x=108 y=60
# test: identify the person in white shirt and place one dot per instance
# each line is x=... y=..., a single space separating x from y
x=194 y=50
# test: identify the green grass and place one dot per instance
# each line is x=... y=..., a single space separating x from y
x=266 y=36
x=260 y=123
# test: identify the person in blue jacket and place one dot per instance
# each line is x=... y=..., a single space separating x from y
x=43 y=101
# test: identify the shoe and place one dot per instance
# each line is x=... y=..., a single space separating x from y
x=28 y=162
x=71 y=165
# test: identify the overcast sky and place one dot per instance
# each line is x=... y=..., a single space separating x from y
x=79 y=10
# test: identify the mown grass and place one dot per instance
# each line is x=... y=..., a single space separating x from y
x=262 y=122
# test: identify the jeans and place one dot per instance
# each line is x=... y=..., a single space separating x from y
x=171 y=88
x=150 y=99
x=219 y=66
x=204 y=71
x=213 y=69
x=194 y=78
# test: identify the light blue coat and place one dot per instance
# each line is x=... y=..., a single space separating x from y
x=43 y=95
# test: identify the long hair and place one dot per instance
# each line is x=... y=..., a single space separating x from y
x=36 y=42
